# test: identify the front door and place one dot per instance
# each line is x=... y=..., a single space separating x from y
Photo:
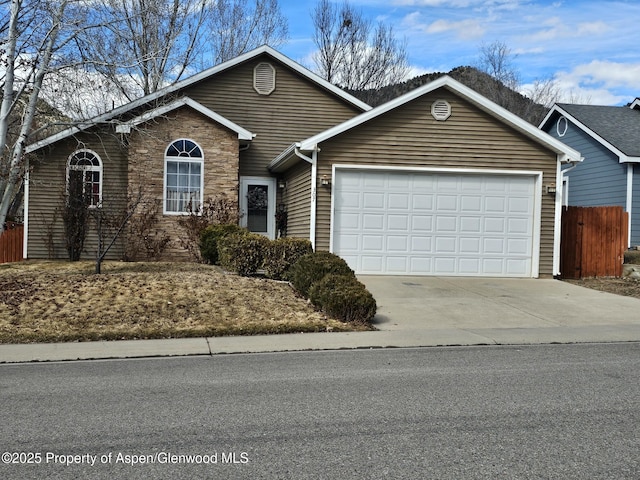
x=258 y=205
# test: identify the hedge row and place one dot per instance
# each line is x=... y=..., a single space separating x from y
x=331 y=286
x=322 y=277
x=238 y=250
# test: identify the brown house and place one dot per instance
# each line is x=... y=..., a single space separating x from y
x=440 y=181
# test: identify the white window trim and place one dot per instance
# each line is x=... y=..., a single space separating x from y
x=98 y=169
x=167 y=159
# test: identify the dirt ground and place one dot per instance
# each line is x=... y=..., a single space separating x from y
x=63 y=301
x=620 y=286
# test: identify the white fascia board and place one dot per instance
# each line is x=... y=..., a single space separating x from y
x=282 y=161
x=243 y=134
x=458 y=88
x=622 y=157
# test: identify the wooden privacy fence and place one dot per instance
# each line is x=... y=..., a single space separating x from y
x=11 y=244
x=593 y=243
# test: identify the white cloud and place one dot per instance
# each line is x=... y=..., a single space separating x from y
x=556 y=28
x=601 y=82
x=464 y=29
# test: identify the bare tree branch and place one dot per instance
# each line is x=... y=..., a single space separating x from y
x=354 y=53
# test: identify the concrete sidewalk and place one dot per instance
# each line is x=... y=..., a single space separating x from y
x=412 y=312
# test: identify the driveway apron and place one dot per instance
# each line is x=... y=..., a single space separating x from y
x=532 y=310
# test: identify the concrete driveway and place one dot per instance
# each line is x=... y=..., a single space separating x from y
x=464 y=310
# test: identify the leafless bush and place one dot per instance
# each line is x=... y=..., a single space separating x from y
x=217 y=210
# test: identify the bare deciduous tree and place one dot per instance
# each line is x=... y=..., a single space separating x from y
x=144 y=45
x=497 y=60
x=237 y=26
x=352 y=52
x=36 y=39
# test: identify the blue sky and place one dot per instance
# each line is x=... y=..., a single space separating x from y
x=591 y=48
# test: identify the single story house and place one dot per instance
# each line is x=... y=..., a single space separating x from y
x=440 y=181
x=607 y=137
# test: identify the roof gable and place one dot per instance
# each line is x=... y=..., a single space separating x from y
x=567 y=153
x=243 y=134
x=616 y=128
x=155 y=98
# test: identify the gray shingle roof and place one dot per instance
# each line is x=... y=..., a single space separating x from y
x=619 y=126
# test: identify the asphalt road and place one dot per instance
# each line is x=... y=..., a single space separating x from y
x=556 y=411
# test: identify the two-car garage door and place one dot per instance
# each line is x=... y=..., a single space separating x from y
x=434 y=223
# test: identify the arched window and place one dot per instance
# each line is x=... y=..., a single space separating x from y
x=183 y=177
x=84 y=176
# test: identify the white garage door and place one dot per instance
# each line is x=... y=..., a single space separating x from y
x=434 y=223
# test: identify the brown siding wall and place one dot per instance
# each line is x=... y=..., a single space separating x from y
x=146 y=165
x=47 y=183
x=296 y=110
x=410 y=136
x=297 y=198
x=146 y=149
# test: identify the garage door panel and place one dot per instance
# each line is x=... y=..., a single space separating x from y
x=398 y=222
x=398 y=201
x=470 y=246
x=421 y=245
x=373 y=221
x=397 y=243
x=396 y=264
x=373 y=200
x=422 y=202
x=519 y=226
x=469 y=266
x=470 y=225
x=373 y=243
x=446 y=223
x=446 y=203
x=471 y=203
x=519 y=246
x=434 y=223
x=420 y=266
x=495 y=225
x=421 y=223
x=369 y=264
x=350 y=199
x=445 y=244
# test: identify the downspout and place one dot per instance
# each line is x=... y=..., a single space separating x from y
x=314 y=173
x=560 y=173
x=25 y=212
x=629 y=201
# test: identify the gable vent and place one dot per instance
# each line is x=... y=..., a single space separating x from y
x=441 y=110
x=264 y=78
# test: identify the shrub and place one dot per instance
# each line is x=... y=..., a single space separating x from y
x=282 y=253
x=313 y=267
x=210 y=237
x=242 y=253
x=632 y=256
x=343 y=297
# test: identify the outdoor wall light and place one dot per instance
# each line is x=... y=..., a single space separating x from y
x=551 y=189
x=282 y=184
x=324 y=181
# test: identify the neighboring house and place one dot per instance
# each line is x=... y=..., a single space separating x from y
x=440 y=181
x=609 y=140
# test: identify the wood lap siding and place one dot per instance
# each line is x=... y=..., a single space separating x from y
x=297 y=109
x=297 y=198
x=47 y=183
x=410 y=136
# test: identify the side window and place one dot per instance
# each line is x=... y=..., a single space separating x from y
x=183 y=177
x=84 y=176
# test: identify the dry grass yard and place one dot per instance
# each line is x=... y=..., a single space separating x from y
x=63 y=301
